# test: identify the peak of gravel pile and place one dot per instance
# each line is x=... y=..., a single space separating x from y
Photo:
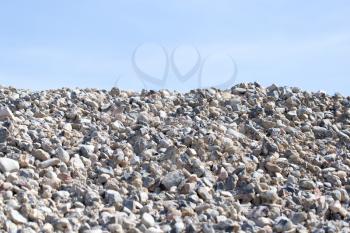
x=248 y=159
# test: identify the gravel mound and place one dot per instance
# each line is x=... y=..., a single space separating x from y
x=248 y=159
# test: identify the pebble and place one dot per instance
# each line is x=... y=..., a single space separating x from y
x=338 y=209
x=4 y=134
x=49 y=163
x=63 y=224
x=307 y=184
x=272 y=167
x=172 y=179
x=283 y=224
x=148 y=220
x=6 y=113
x=62 y=155
x=204 y=193
x=77 y=162
x=8 y=165
x=113 y=197
x=41 y=155
x=16 y=217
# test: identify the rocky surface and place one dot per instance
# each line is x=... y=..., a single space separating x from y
x=249 y=159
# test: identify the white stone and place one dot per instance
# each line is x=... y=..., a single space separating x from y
x=67 y=127
x=117 y=125
x=49 y=163
x=5 y=113
x=8 y=165
x=76 y=162
x=148 y=220
x=16 y=217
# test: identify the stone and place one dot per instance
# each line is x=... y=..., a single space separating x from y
x=269 y=197
x=321 y=133
x=63 y=225
x=337 y=208
x=16 y=217
x=271 y=167
x=299 y=217
x=113 y=197
x=41 y=155
x=6 y=113
x=76 y=162
x=188 y=188
x=62 y=155
x=204 y=194
x=307 y=184
x=4 y=134
x=172 y=179
x=49 y=163
x=86 y=150
x=283 y=224
x=148 y=220
x=8 y=165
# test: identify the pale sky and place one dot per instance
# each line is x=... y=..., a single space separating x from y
x=85 y=43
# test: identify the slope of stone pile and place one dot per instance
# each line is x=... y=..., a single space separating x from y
x=249 y=159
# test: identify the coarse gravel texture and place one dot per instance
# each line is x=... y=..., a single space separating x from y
x=247 y=159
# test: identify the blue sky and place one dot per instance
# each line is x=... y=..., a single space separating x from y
x=85 y=43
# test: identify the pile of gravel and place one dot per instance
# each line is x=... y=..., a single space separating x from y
x=249 y=159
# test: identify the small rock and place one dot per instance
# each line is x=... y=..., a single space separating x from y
x=5 y=113
x=86 y=150
x=76 y=162
x=41 y=154
x=272 y=167
x=4 y=133
x=49 y=163
x=188 y=188
x=223 y=175
x=117 y=125
x=63 y=225
x=263 y=221
x=307 y=185
x=269 y=197
x=172 y=179
x=321 y=133
x=204 y=194
x=113 y=197
x=8 y=165
x=67 y=127
x=299 y=217
x=148 y=220
x=16 y=217
x=283 y=224
x=62 y=155
x=338 y=209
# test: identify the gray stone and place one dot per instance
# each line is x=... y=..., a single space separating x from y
x=4 y=133
x=113 y=197
x=86 y=150
x=283 y=224
x=321 y=133
x=62 y=155
x=172 y=179
x=307 y=184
